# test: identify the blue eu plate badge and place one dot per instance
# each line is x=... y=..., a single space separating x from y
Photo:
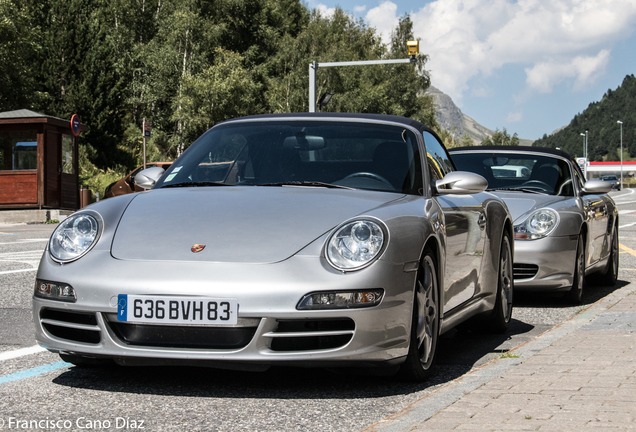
x=122 y=303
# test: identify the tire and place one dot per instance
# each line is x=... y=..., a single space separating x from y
x=502 y=313
x=420 y=359
x=575 y=295
x=610 y=274
x=80 y=361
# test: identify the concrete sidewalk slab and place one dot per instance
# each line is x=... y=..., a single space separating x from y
x=31 y=216
x=580 y=374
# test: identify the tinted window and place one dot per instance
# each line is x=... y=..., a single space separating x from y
x=355 y=155
x=510 y=170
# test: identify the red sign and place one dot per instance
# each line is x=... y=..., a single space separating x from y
x=146 y=130
x=76 y=126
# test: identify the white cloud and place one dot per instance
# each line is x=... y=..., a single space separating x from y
x=514 y=117
x=325 y=11
x=556 y=41
x=359 y=9
x=583 y=69
x=384 y=19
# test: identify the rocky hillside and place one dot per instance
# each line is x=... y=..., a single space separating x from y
x=450 y=117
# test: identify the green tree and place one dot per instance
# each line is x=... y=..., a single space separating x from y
x=223 y=91
x=599 y=119
x=466 y=141
x=386 y=89
x=501 y=138
x=18 y=52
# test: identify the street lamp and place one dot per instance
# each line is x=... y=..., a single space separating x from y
x=324 y=100
x=621 y=123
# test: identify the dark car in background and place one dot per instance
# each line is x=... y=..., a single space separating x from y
x=565 y=228
x=613 y=180
x=127 y=184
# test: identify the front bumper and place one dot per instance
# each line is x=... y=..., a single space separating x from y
x=545 y=264
x=269 y=330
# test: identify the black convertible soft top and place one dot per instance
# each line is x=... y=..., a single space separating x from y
x=513 y=149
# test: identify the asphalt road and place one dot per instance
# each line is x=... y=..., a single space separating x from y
x=36 y=387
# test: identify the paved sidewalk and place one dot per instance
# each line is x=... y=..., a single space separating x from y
x=579 y=375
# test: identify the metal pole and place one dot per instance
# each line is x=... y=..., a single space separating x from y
x=313 y=67
x=143 y=134
x=621 y=123
x=312 y=86
x=586 y=156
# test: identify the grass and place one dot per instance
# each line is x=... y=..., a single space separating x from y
x=504 y=355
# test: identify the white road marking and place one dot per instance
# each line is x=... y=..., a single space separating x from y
x=31 y=258
x=17 y=271
x=627 y=225
x=21 y=352
x=26 y=241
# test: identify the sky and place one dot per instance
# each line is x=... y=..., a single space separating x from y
x=527 y=65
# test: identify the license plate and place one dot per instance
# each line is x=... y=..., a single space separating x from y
x=176 y=310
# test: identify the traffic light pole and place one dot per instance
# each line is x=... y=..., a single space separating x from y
x=313 y=67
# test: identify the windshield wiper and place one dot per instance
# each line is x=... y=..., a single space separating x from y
x=517 y=190
x=194 y=184
x=306 y=183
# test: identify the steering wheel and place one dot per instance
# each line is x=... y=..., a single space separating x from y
x=538 y=184
x=370 y=175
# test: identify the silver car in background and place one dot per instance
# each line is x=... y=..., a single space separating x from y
x=301 y=239
x=566 y=228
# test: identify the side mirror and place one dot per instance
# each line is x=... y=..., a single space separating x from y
x=148 y=178
x=596 y=187
x=461 y=183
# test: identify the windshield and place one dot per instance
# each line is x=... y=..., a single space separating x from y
x=528 y=172
x=301 y=153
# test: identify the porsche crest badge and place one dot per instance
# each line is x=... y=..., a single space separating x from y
x=197 y=248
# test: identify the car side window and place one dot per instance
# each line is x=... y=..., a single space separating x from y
x=437 y=158
x=578 y=177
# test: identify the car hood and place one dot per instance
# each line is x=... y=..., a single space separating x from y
x=236 y=224
x=519 y=203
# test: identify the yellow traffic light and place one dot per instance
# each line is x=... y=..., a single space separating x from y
x=413 y=47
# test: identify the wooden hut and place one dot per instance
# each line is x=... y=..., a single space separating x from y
x=38 y=161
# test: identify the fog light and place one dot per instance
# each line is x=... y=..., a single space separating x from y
x=54 y=291
x=341 y=299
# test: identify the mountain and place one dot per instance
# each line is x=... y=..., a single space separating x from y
x=450 y=117
x=600 y=121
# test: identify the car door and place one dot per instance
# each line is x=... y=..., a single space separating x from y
x=465 y=223
x=597 y=218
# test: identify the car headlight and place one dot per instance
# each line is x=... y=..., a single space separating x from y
x=355 y=244
x=75 y=236
x=537 y=225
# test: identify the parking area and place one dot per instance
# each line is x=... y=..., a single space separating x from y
x=36 y=386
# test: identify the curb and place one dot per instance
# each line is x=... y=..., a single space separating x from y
x=429 y=405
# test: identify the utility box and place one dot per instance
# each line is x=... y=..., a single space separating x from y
x=38 y=162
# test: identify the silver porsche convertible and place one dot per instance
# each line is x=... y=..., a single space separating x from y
x=299 y=239
x=566 y=228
